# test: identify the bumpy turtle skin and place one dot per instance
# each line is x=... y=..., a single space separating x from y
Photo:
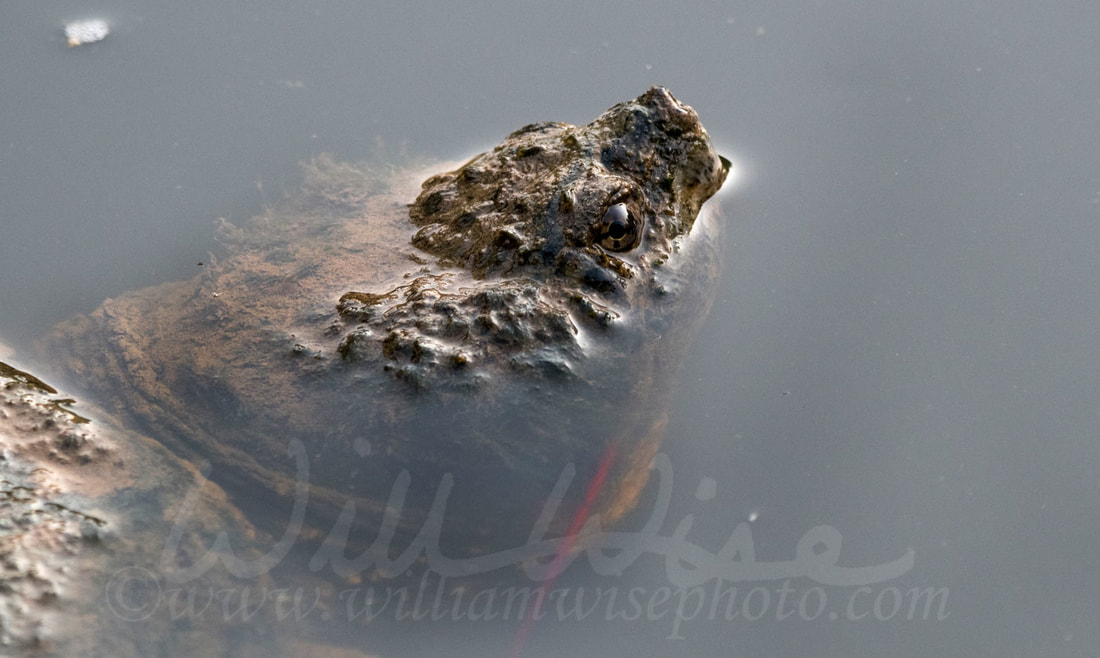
x=86 y=512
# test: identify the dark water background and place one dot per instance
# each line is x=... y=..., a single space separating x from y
x=906 y=345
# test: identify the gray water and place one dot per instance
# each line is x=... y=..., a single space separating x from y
x=905 y=345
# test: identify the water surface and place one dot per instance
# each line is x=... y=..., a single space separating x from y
x=905 y=345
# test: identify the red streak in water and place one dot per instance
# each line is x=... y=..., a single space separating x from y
x=570 y=538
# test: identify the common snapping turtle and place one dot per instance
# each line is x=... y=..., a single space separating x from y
x=511 y=325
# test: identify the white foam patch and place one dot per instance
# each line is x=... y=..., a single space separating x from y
x=81 y=32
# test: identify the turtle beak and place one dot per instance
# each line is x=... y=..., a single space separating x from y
x=726 y=164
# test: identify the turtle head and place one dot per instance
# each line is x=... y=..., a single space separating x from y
x=558 y=230
x=591 y=203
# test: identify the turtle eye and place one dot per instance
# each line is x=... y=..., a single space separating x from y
x=619 y=230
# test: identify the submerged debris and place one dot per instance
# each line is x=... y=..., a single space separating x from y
x=81 y=32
